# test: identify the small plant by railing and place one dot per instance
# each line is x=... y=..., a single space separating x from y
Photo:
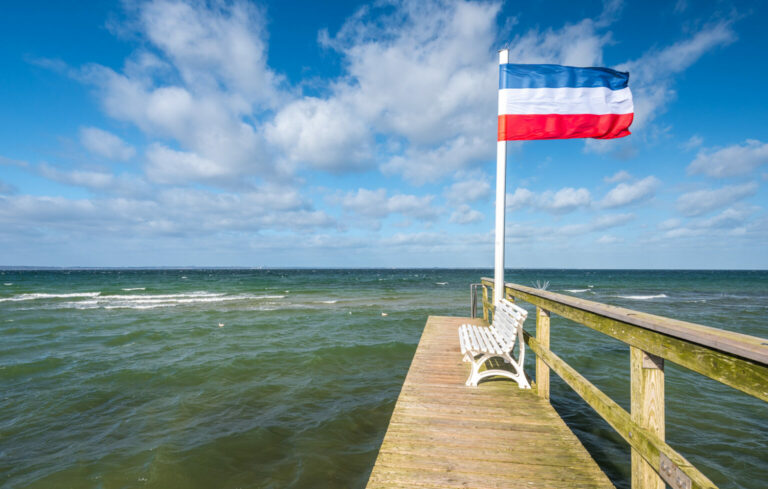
x=737 y=360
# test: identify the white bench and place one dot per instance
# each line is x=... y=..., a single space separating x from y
x=482 y=343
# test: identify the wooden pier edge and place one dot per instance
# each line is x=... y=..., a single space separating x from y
x=737 y=360
x=443 y=434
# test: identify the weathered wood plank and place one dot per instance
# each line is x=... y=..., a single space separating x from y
x=746 y=346
x=709 y=354
x=643 y=441
x=542 y=334
x=444 y=434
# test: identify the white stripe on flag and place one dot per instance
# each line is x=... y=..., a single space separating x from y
x=567 y=100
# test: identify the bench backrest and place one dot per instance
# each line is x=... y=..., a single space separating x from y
x=508 y=318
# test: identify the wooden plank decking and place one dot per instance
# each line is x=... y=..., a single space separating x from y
x=443 y=434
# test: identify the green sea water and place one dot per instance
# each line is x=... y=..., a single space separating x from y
x=287 y=378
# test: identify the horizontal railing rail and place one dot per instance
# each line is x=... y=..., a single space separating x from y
x=737 y=360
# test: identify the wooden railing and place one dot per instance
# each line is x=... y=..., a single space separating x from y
x=737 y=360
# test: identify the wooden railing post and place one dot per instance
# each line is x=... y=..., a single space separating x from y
x=647 y=384
x=485 y=302
x=542 y=336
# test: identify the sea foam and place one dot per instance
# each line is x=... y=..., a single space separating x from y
x=34 y=296
x=94 y=300
x=642 y=297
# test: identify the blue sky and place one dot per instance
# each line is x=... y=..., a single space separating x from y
x=170 y=133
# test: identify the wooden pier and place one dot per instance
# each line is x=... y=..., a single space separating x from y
x=444 y=434
x=447 y=435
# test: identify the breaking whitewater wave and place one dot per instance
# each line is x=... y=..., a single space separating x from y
x=94 y=300
x=576 y=291
x=134 y=288
x=35 y=296
x=642 y=297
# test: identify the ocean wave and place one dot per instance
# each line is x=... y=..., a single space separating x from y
x=642 y=297
x=8 y=284
x=134 y=288
x=94 y=300
x=327 y=302
x=441 y=283
x=576 y=291
x=34 y=296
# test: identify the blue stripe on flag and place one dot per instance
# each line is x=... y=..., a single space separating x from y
x=556 y=76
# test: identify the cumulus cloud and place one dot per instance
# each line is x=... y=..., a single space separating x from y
x=166 y=165
x=326 y=134
x=732 y=221
x=704 y=201
x=629 y=193
x=731 y=161
x=95 y=180
x=577 y=44
x=378 y=205
x=419 y=165
x=561 y=201
x=171 y=212
x=203 y=79
x=468 y=191
x=105 y=144
x=394 y=58
x=466 y=215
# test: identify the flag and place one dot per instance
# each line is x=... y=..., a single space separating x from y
x=561 y=102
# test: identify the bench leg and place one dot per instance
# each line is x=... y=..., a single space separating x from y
x=518 y=375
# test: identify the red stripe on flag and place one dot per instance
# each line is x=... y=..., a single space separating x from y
x=563 y=126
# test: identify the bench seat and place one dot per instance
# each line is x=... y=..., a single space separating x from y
x=482 y=343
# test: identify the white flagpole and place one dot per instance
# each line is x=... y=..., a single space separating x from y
x=501 y=197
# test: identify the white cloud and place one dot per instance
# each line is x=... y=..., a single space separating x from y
x=98 y=181
x=166 y=165
x=176 y=212
x=466 y=215
x=619 y=176
x=575 y=45
x=393 y=63
x=730 y=222
x=729 y=218
x=630 y=193
x=420 y=165
x=693 y=142
x=703 y=201
x=106 y=144
x=736 y=160
x=325 y=134
x=600 y=223
x=608 y=239
x=565 y=200
x=209 y=81
x=521 y=198
x=670 y=224
x=377 y=205
x=468 y=191
x=213 y=45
